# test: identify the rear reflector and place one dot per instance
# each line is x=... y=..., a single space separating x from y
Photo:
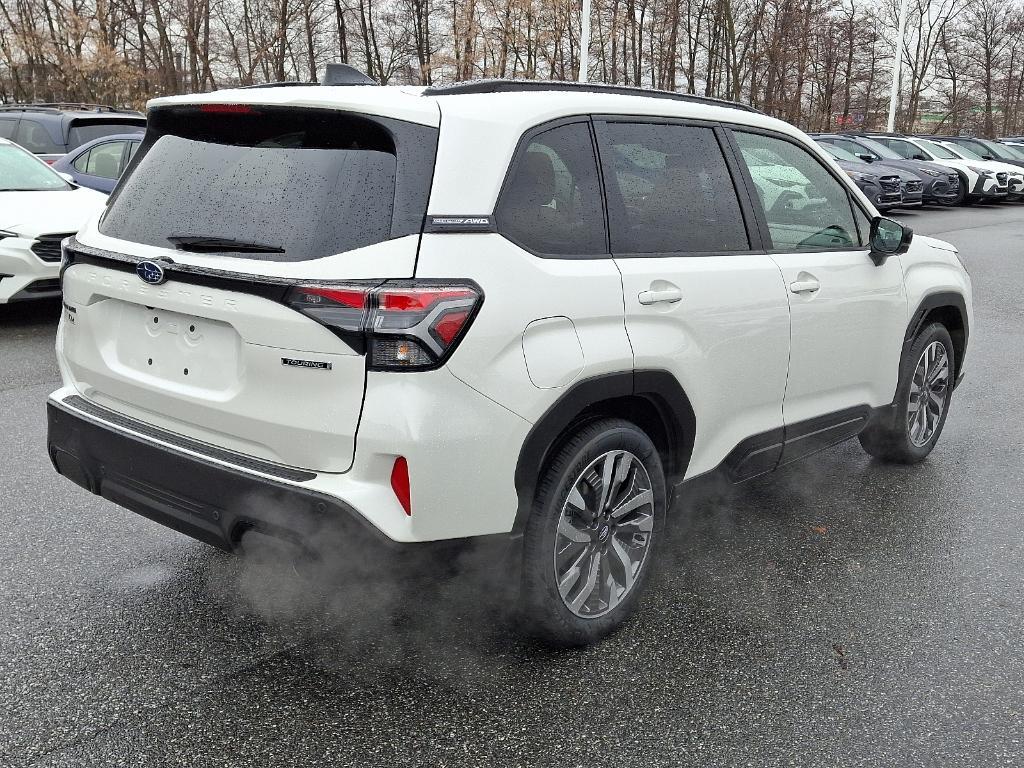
x=400 y=483
x=403 y=324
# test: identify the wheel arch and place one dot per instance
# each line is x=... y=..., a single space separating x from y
x=948 y=308
x=652 y=399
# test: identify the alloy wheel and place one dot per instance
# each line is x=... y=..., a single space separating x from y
x=928 y=390
x=604 y=534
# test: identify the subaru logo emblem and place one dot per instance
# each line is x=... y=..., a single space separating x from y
x=150 y=272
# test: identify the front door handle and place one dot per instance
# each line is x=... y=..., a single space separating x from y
x=805 y=284
x=663 y=295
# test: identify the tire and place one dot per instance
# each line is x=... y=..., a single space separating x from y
x=961 y=195
x=906 y=435
x=565 y=542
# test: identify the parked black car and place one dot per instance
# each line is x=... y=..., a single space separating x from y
x=940 y=184
x=883 y=186
x=52 y=130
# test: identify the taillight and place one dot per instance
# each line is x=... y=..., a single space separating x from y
x=228 y=109
x=403 y=325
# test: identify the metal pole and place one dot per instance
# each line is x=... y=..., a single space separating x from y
x=585 y=41
x=894 y=95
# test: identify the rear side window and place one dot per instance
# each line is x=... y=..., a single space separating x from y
x=7 y=128
x=295 y=184
x=670 y=190
x=33 y=136
x=105 y=160
x=551 y=202
x=84 y=131
x=806 y=207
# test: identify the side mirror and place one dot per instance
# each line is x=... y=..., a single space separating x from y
x=867 y=158
x=987 y=157
x=919 y=156
x=888 y=238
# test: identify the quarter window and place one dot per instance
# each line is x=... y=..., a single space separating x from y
x=82 y=162
x=806 y=207
x=552 y=200
x=670 y=190
x=33 y=137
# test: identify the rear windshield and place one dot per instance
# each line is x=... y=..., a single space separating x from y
x=273 y=183
x=83 y=131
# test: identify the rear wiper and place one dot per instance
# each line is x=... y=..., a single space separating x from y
x=211 y=244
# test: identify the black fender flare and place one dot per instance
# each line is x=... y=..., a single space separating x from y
x=936 y=301
x=659 y=387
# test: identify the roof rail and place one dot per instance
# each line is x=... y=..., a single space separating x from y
x=513 y=86
x=280 y=84
x=60 y=106
x=27 y=108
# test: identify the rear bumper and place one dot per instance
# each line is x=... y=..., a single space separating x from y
x=205 y=499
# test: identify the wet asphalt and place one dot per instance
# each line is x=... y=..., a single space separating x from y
x=838 y=613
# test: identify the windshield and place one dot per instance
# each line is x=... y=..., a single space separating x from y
x=841 y=154
x=1016 y=151
x=937 y=149
x=20 y=171
x=272 y=183
x=965 y=152
x=1000 y=151
x=879 y=149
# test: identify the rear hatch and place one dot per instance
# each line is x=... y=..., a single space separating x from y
x=85 y=129
x=216 y=296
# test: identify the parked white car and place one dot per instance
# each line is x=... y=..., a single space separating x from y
x=976 y=177
x=528 y=312
x=1014 y=173
x=38 y=209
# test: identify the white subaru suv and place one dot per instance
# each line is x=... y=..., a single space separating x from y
x=532 y=313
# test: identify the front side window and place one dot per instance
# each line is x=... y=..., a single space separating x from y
x=670 y=190
x=551 y=202
x=806 y=207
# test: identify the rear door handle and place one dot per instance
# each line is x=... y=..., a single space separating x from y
x=807 y=285
x=666 y=295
